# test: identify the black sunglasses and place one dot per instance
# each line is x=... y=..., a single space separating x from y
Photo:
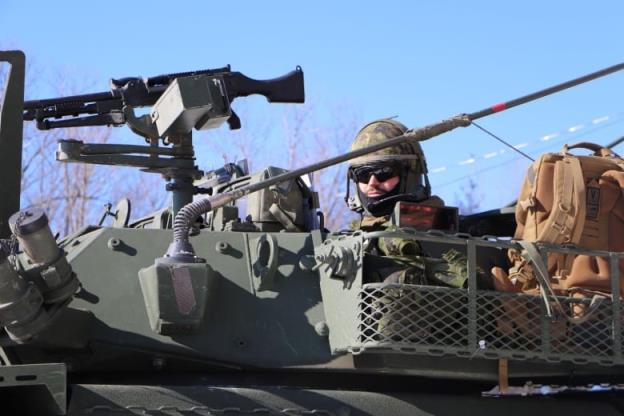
x=363 y=174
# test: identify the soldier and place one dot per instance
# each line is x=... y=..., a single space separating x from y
x=382 y=178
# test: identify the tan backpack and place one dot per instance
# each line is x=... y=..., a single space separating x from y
x=570 y=200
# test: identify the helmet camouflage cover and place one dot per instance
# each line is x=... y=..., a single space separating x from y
x=410 y=153
x=413 y=184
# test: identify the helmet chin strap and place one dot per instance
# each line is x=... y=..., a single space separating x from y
x=376 y=205
x=409 y=189
x=383 y=205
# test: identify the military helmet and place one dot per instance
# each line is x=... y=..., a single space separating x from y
x=413 y=184
x=410 y=153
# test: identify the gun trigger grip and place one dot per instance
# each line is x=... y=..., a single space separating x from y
x=234 y=122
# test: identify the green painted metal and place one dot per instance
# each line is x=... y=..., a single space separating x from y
x=295 y=318
x=11 y=109
x=272 y=327
x=25 y=398
x=413 y=400
x=176 y=295
x=340 y=294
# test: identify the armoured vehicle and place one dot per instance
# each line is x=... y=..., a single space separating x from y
x=193 y=310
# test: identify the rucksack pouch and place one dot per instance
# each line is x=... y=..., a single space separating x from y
x=575 y=201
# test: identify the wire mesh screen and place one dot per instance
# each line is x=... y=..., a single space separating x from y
x=413 y=315
x=439 y=320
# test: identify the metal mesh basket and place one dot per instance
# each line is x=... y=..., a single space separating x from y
x=438 y=320
x=404 y=316
x=471 y=322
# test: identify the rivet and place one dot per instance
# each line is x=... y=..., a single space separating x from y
x=113 y=243
x=222 y=247
x=159 y=363
x=241 y=343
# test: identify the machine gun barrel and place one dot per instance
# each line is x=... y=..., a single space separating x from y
x=30 y=106
x=107 y=105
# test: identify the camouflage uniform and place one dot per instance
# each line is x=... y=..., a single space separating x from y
x=402 y=315
x=411 y=265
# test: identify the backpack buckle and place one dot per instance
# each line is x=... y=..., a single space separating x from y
x=563 y=230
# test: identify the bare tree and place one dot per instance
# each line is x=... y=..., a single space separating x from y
x=470 y=199
x=74 y=194
x=216 y=147
x=291 y=137
x=64 y=191
x=146 y=191
x=310 y=140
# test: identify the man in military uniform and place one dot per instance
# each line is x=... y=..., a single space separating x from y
x=383 y=178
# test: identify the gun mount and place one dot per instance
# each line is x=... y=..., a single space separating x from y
x=271 y=315
x=180 y=103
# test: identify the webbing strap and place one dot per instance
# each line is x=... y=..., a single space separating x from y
x=559 y=226
x=576 y=171
x=527 y=200
x=573 y=167
x=532 y=255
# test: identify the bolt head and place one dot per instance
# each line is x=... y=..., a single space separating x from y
x=321 y=328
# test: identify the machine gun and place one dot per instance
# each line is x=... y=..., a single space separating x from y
x=108 y=107
x=180 y=103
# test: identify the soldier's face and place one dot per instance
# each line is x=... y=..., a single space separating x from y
x=375 y=188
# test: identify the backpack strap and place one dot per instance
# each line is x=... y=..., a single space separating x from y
x=533 y=256
x=567 y=218
x=574 y=168
x=527 y=201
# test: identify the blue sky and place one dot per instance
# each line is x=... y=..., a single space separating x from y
x=419 y=60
